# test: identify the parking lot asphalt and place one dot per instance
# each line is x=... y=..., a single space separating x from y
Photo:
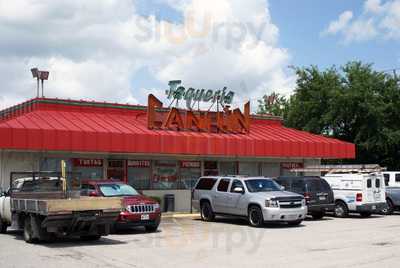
x=189 y=242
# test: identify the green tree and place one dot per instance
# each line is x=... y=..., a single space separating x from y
x=274 y=104
x=353 y=103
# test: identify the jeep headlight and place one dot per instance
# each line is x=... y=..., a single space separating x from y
x=156 y=206
x=271 y=203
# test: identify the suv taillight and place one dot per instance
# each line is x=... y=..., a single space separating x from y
x=359 y=197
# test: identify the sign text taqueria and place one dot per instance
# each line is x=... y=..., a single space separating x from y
x=226 y=121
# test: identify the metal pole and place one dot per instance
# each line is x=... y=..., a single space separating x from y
x=42 y=90
x=37 y=95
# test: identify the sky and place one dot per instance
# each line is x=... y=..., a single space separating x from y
x=123 y=50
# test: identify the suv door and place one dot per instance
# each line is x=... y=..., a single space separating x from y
x=235 y=204
x=221 y=196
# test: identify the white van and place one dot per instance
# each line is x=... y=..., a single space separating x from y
x=392 y=178
x=362 y=193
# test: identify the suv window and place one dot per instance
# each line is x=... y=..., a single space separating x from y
x=313 y=185
x=387 y=178
x=223 y=185
x=236 y=183
x=369 y=183
x=284 y=183
x=325 y=185
x=397 y=177
x=298 y=186
x=86 y=188
x=205 y=184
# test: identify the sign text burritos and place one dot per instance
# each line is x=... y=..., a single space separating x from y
x=192 y=96
x=226 y=121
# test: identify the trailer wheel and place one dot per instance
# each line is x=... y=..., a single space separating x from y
x=28 y=234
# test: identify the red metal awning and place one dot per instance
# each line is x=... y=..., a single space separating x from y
x=78 y=126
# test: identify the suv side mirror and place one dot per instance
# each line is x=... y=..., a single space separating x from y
x=238 y=190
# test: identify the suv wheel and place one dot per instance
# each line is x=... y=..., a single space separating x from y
x=207 y=213
x=389 y=209
x=341 y=210
x=255 y=216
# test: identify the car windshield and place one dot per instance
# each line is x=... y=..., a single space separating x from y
x=262 y=185
x=110 y=190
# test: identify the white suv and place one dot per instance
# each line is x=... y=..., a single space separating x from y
x=259 y=199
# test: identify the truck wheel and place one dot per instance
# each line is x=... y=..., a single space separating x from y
x=207 y=213
x=3 y=226
x=255 y=216
x=341 y=210
x=28 y=234
x=389 y=209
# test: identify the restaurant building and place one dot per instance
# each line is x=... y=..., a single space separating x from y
x=157 y=150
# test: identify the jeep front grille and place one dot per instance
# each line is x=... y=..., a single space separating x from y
x=142 y=209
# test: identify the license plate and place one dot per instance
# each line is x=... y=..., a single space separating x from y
x=322 y=198
x=291 y=217
x=145 y=217
x=374 y=207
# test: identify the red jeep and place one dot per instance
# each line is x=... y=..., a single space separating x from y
x=139 y=210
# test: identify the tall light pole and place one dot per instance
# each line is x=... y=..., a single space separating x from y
x=40 y=75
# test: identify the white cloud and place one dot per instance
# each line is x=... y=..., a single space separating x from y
x=339 y=24
x=93 y=48
x=378 y=20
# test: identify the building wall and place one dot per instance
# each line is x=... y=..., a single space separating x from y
x=14 y=162
x=310 y=163
x=182 y=198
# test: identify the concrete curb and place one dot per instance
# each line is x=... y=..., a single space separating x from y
x=180 y=215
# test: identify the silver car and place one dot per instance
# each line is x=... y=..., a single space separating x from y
x=259 y=199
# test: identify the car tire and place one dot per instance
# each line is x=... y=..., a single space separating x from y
x=151 y=228
x=206 y=212
x=365 y=214
x=3 y=226
x=28 y=234
x=295 y=223
x=390 y=208
x=255 y=216
x=341 y=210
x=318 y=216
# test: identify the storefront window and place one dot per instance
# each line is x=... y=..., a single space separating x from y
x=88 y=168
x=116 y=170
x=249 y=168
x=139 y=174
x=211 y=168
x=165 y=175
x=190 y=173
x=228 y=168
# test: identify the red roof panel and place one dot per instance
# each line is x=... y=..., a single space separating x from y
x=64 y=125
